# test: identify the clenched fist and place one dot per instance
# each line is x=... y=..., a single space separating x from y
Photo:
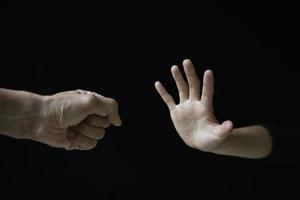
x=69 y=120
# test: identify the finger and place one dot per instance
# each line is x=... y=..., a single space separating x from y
x=225 y=128
x=208 y=88
x=97 y=121
x=193 y=80
x=80 y=142
x=167 y=98
x=63 y=142
x=113 y=115
x=102 y=106
x=93 y=105
x=112 y=107
x=90 y=131
x=181 y=84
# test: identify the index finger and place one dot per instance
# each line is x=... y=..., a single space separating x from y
x=102 y=106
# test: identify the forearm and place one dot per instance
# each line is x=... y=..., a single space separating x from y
x=248 y=142
x=19 y=113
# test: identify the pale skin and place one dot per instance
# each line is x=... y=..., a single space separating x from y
x=77 y=119
x=72 y=120
x=197 y=125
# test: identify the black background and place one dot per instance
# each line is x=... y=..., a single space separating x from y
x=120 y=51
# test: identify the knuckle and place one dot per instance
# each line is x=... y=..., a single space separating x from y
x=113 y=104
x=90 y=100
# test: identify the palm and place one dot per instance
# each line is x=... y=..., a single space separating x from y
x=196 y=125
x=193 y=117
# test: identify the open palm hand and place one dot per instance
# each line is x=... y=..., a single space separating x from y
x=194 y=117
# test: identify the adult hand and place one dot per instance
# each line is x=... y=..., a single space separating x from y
x=194 y=117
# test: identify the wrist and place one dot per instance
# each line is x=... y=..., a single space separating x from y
x=21 y=114
x=38 y=116
x=247 y=142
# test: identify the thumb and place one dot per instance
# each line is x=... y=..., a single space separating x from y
x=113 y=115
x=225 y=128
x=102 y=106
